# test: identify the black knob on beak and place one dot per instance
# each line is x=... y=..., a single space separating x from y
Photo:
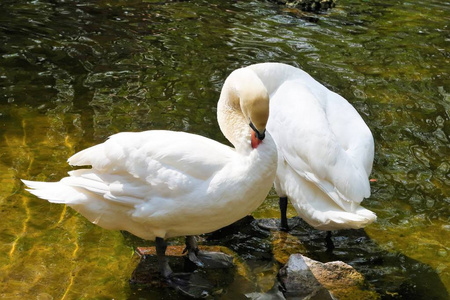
x=259 y=135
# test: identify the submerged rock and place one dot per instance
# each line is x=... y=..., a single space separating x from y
x=273 y=294
x=211 y=280
x=284 y=245
x=309 y=5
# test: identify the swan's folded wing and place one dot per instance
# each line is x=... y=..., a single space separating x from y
x=139 y=177
x=351 y=131
x=142 y=154
x=311 y=146
x=132 y=168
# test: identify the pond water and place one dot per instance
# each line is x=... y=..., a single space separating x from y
x=74 y=72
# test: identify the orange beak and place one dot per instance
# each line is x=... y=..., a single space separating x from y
x=255 y=140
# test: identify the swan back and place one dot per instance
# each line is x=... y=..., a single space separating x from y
x=164 y=183
x=324 y=147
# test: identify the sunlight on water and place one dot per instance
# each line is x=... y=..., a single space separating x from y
x=73 y=73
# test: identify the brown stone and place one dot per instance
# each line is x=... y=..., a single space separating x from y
x=339 y=278
x=299 y=282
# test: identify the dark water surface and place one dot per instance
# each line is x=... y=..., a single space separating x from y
x=74 y=72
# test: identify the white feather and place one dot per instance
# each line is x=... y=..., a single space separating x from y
x=165 y=183
x=325 y=150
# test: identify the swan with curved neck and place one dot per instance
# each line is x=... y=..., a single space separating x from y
x=325 y=150
x=161 y=184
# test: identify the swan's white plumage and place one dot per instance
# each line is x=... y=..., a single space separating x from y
x=164 y=184
x=325 y=150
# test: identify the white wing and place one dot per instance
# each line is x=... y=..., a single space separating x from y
x=325 y=149
x=137 y=153
x=139 y=181
x=144 y=165
x=318 y=145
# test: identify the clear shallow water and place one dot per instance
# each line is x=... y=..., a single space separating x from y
x=73 y=73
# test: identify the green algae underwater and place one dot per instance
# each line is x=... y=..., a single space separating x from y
x=73 y=73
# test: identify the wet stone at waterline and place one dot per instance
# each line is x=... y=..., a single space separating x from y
x=200 y=282
x=309 y=278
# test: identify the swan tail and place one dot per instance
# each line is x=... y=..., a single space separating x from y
x=55 y=192
x=320 y=210
x=86 y=202
x=336 y=220
x=333 y=218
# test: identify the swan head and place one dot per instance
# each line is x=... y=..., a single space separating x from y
x=243 y=109
x=254 y=102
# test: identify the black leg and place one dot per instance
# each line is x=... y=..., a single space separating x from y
x=191 y=244
x=192 y=250
x=283 y=210
x=163 y=262
x=329 y=242
x=188 y=284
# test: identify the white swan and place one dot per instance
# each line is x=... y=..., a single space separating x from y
x=325 y=150
x=162 y=184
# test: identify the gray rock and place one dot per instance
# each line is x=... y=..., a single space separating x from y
x=305 y=278
x=299 y=282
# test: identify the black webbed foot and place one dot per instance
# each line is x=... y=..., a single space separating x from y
x=215 y=260
x=193 y=251
x=206 y=259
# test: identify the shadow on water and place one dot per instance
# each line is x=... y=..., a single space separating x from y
x=392 y=274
